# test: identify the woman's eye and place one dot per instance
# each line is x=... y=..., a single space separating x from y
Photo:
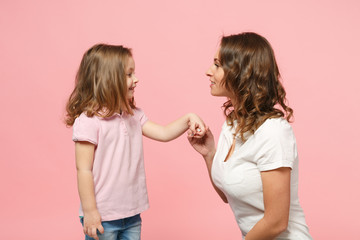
x=129 y=75
x=216 y=65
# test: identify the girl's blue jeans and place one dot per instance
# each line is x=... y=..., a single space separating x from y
x=121 y=229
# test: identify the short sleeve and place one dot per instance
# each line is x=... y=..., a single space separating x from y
x=86 y=129
x=278 y=146
x=141 y=116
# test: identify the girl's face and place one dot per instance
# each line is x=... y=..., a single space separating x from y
x=216 y=74
x=130 y=78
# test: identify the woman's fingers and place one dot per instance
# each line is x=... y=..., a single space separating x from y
x=190 y=133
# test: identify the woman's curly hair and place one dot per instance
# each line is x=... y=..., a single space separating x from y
x=252 y=77
x=100 y=84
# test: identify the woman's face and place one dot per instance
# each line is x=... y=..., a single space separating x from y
x=216 y=74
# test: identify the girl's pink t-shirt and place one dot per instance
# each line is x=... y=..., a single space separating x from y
x=118 y=168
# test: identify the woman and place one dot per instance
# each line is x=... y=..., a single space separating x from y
x=255 y=166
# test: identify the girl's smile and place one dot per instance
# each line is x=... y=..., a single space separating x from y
x=130 y=77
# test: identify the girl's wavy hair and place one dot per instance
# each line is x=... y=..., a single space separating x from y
x=100 y=84
x=251 y=75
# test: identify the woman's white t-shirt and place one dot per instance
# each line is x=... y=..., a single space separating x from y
x=272 y=146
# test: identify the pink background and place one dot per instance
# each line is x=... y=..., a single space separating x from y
x=41 y=44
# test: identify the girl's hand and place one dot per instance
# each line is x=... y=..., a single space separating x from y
x=204 y=145
x=197 y=127
x=92 y=223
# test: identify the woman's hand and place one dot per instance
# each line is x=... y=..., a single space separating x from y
x=204 y=145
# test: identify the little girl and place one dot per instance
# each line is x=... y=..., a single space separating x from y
x=107 y=130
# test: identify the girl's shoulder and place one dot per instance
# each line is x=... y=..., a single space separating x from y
x=85 y=120
x=86 y=128
x=85 y=117
x=138 y=111
x=139 y=115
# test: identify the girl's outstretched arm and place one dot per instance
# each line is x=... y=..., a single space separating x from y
x=173 y=130
x=84 y=153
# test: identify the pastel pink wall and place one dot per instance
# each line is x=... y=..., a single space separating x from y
x=41 y=44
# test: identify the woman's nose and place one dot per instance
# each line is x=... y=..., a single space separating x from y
x=208 y=72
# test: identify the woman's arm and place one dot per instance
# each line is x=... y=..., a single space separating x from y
x=84 y=153
x=175 y=129
x=206 y=147
x=276 y=190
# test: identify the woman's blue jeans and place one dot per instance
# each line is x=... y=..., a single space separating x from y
x=121 y=229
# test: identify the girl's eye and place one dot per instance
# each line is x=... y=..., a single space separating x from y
x=130 y=74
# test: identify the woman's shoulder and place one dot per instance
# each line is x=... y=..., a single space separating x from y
x=275 y=124
x=275 y=145
x=275 y=128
